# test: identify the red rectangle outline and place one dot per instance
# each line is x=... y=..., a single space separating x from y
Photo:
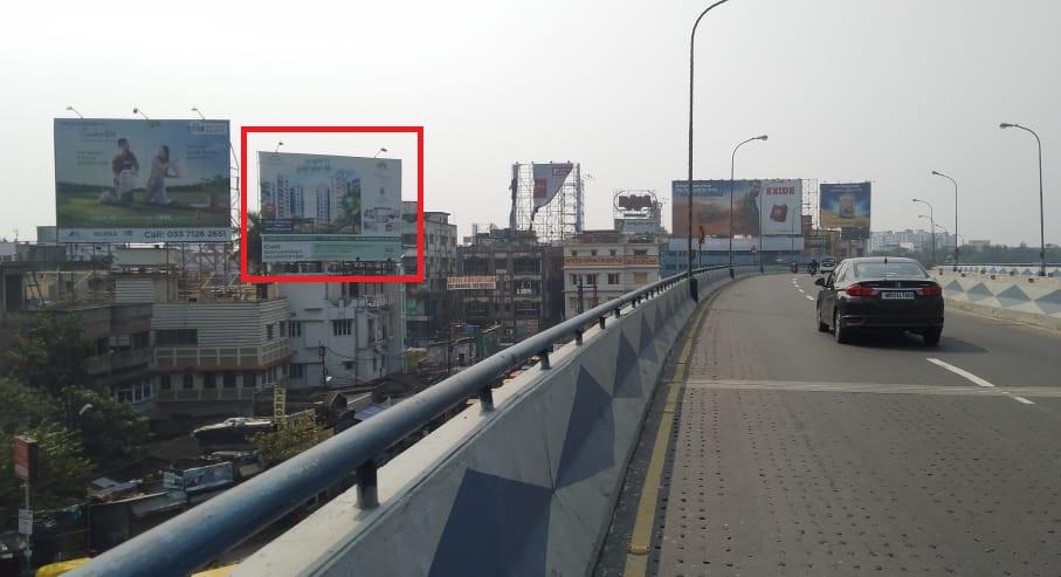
x=249 y=278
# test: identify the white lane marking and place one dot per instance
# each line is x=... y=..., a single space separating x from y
x=962 y=372
x=810 y=298
x=1022 y=400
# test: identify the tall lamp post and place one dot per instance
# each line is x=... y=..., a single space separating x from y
x=689 y=190
x=955 y=183
x=932 y=222
x=732 y=164
x=1042 y=225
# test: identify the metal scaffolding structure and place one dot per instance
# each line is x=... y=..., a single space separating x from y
x=560 y=218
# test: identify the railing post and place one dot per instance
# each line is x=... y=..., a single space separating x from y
x=367 y=485
x=545 y=360
x=486 y=398
x=618 y=313
x=578 y=338
x=600 y=321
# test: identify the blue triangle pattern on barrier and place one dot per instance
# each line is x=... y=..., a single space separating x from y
x=590 y=439
x=953 y=286
x=646 y=334
x=627 y=374
x=979 y=292
x=1012 y=296
x=497 y=526
x=1050 y=302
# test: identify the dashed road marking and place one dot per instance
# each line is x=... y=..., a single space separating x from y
x=962 y=372
x=1022 y=400
x=810 y=298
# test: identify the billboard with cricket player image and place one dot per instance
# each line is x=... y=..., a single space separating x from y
x=772 y=206
x=142 y=181
x=329 y=208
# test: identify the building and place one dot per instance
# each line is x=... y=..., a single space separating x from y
x=211 y=356
x=605 y=264
x=424 y=302
x=515 y=276
x=342 y=334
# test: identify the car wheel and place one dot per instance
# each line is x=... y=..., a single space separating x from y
x=842 y=335
x=822 y=327
x=931 y=336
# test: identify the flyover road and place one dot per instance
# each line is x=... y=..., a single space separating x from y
x=785 y=453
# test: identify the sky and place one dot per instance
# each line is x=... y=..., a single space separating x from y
x=847 y=91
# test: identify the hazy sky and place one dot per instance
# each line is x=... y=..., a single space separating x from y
x=847 y=90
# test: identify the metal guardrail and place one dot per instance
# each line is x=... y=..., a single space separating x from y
x=194 y=538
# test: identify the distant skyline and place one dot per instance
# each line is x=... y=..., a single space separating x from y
x=847 y=92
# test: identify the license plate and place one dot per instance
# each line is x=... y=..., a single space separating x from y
x=897 y=295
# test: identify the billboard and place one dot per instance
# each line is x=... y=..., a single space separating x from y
x=329 y=208
x=845 y=205
x=142 y=181
x=482 y=282
x=639 y=226
x=548 y=178
x=780 y=200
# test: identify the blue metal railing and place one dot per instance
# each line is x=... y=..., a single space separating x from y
x=200 y=535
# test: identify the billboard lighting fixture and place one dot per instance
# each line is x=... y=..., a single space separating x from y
x=74 y=110
x=140 y=112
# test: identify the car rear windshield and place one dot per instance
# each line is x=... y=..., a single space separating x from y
x=880 y=269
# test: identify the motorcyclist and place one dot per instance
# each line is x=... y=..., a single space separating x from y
x=813 y=266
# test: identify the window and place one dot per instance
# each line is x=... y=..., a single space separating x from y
x=341 y=327
x=283 y=329
x=188 y=382
x=574 y=279
x=269 y=332
x=249 y=379
x=593 y=252
x=375 y=363
x=297 y=371
x=209 y=380
x=294 y=329
x=228 y=379
x=164 y=382
x=641 y=252
x=572 y=303
x=140 y=340
x=348 y=365
x=613 y=278
x=175 y=337
x=640 y=278
x=612 y=252
x=591 y=279
x=574 y=253
x=371 y=330
x=103 y=345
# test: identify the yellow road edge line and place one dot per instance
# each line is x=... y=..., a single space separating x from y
x=641 y=537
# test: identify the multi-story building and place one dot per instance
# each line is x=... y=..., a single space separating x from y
x=522 y=274
x=212 y=355
x=342 y=334
x=605 y=264
x=425 y=303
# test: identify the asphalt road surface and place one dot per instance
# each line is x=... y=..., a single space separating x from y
x=790 y=454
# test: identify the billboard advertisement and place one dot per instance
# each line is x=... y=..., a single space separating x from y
x=548 y=178
x=845 y=205
x=481 y=282
x=142 y=181
x=329 y=208
x=780 y=201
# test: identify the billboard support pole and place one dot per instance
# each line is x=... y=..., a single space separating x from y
x=689 y=231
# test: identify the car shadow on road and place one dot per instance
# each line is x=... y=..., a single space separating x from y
x=908 y=341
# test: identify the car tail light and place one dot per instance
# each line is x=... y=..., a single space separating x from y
x=930 y=291
x=861 y=290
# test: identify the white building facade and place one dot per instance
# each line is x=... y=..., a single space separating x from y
x=602 y=265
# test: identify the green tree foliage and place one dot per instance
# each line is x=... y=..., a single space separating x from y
x=254 y=241
x=293 y=437
x=64 y=468
x=112 y=430
x=50 y=355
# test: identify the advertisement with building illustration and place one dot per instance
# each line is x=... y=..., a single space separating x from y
x=772 y=206
x=122 y=180
x=326 y=208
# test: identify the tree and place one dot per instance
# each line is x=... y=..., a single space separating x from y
x=254 y=241
x=51 y=354
x=112 y=430
x=294 y=436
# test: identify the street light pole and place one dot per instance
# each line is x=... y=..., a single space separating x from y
x=732 y=164
x=932 y=221
x=955 y=183
x=692 y=54
x=1042 y=222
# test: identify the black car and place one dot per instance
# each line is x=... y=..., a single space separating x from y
x=881 y=293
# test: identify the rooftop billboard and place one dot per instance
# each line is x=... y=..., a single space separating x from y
x=780 y=201
x=329 y=208
x=845 y=205
x=142 y=181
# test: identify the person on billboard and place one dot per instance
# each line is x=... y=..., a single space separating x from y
x=161 y=169
x=749 y=209
x=125 y=167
